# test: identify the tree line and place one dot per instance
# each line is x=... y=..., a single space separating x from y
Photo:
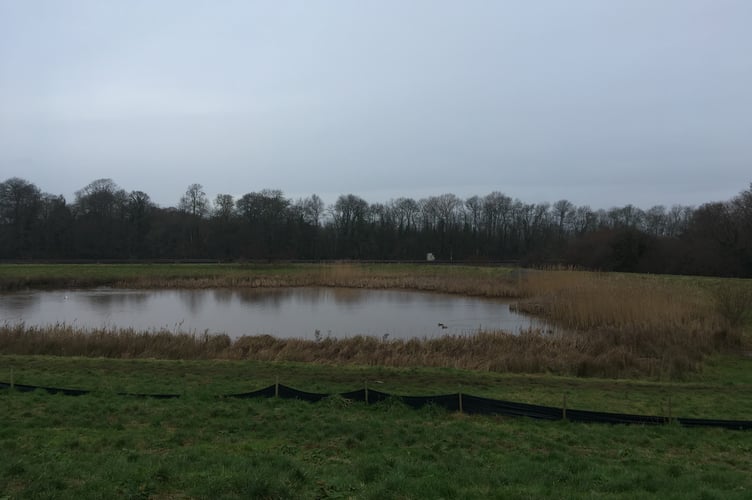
x=107 y=222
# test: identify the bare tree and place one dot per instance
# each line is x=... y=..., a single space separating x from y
x=448 y=207
x=626 y=216
x=99 y=198
x=224 y=207
x=194 y=201
x=474 y=206
x=349 y=215
x=584 y=220
x=20 y=203
x=429 y=213
x=349 y=211
x=656 y=220
x=678 y=219
x=101 y=211
x=139 y=213
x=497 y=212
x=407 y=211
x=313 y=209
x=563 y=212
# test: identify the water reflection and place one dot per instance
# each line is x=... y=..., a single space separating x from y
x=272 y=297
x=109 y=298
x=282 y=312
x=279 y=297
x=192 y=300
x=18 y=305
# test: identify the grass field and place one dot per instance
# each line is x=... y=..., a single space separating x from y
x=103 y=445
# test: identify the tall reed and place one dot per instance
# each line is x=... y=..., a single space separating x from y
x=632 y=319
x=589 y=301
x=608 y=354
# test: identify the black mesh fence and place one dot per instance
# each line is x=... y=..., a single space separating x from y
x=740 y=425
x=451 y=402
x=266 y=392
x=614 y=418
x=359 y=395
x=486 y=406
x=290 y=393
x=49 y=390
x=151 y=396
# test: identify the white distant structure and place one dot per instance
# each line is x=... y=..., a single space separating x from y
x=430 y=257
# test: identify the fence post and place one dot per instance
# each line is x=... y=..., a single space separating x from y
x=276 y=387
x=669 y=409
x=366 y=387
x=564 y=407
x=460 y=395
x=11 y=378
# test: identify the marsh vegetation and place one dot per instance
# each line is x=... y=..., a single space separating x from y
x=614 y=325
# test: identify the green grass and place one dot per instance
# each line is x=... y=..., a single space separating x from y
x=719 y=392
x=102 y=445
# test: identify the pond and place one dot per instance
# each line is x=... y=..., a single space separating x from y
x=307 y=313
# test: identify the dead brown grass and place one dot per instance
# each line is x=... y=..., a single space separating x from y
x=630 y=322
x=607 y=354
x=592 y=301
x=345 y=275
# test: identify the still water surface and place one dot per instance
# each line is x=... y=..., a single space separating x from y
x=283 y=312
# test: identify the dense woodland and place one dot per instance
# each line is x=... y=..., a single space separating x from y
x=107 y=222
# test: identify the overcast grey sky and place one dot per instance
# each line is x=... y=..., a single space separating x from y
x=602 y=102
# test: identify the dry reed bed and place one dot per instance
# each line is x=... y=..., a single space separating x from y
x=345 y=276
x=604 y=355
x=645 y=323
x=589 y=301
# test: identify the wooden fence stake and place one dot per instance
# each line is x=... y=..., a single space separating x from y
x=276 y=387
x=669 y=409
x=11 y=378
x=366 y=386
x=460 y=394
